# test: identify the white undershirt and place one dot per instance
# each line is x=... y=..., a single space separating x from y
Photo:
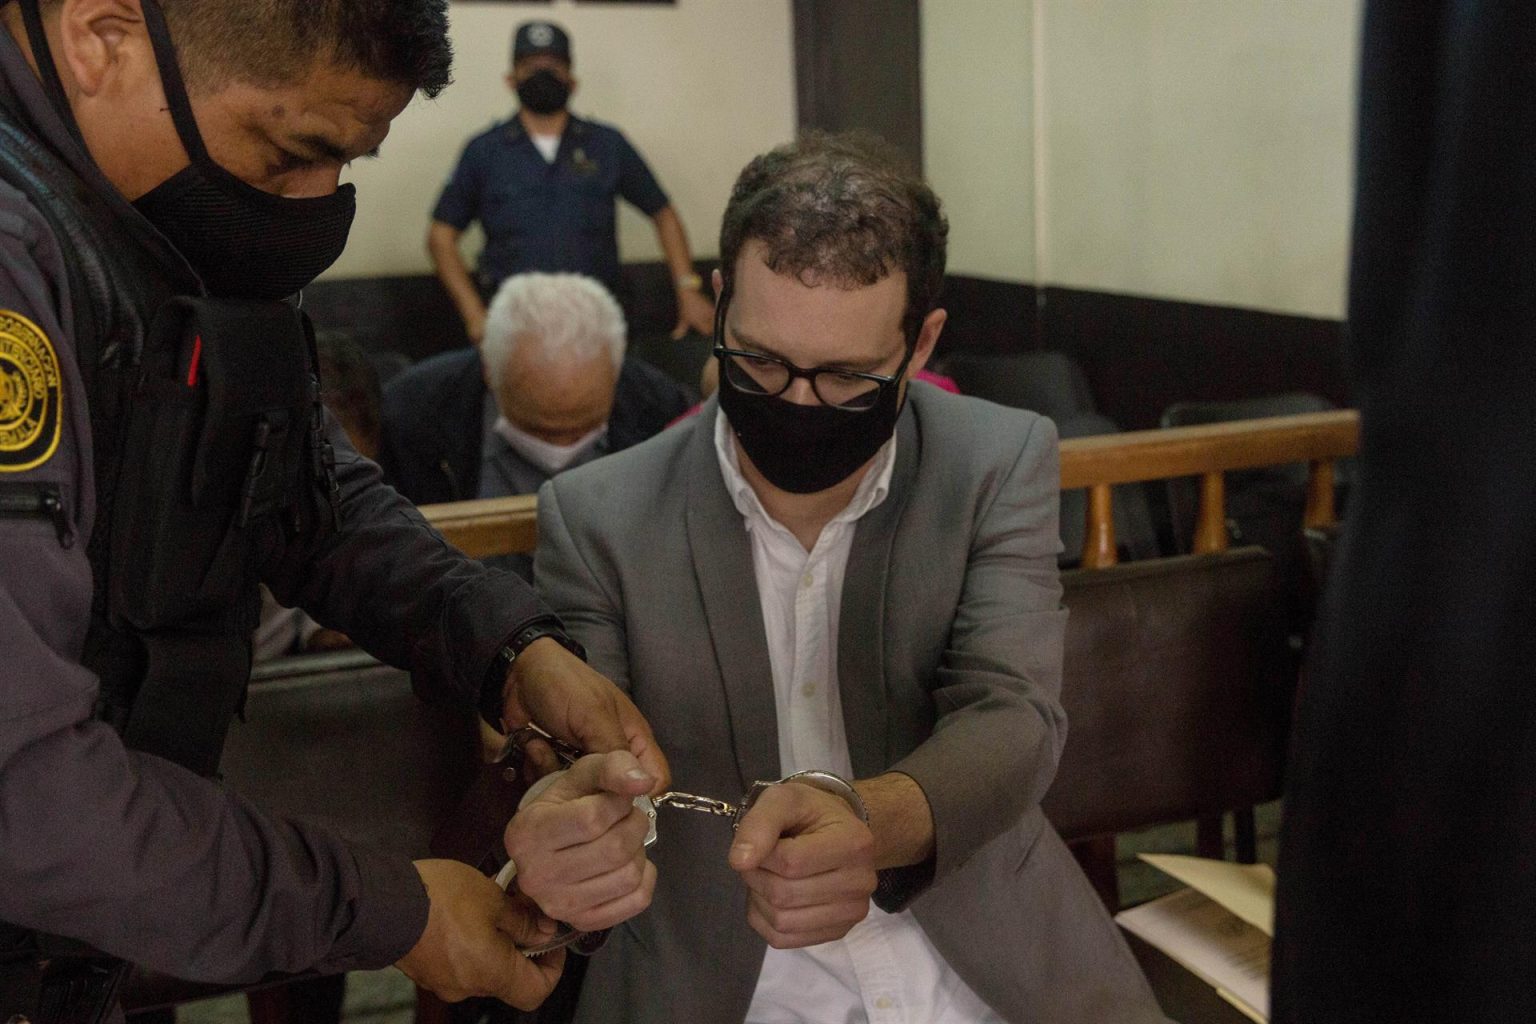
x=547 y=145
x=885 y=971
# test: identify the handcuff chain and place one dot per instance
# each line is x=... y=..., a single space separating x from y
x=692 y=802
x=519 y=739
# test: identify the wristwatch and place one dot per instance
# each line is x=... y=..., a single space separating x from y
x=689 y=283
x=501 y=665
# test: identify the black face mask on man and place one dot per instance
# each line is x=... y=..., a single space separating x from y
x=543 y=92
x=804 y=449
x=244 y=243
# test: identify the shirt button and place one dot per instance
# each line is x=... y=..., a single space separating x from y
x=807 y=581
x=883 y=1003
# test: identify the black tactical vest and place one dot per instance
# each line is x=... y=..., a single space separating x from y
x=210 y=453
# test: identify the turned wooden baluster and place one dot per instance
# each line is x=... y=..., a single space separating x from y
x=1320 y=510
x=1099 y=539
x=1211 y=522
x=1098 y=856
x=1211 y=536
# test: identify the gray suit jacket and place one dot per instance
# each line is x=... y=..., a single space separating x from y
x=949 y=663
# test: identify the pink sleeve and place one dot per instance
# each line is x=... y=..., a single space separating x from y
x=938 y=380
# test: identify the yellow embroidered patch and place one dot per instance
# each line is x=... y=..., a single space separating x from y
x=31 y=417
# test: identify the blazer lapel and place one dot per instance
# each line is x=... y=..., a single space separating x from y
x=722 y=565
x=861 y=631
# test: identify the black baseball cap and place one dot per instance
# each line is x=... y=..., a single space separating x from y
x=534 y=38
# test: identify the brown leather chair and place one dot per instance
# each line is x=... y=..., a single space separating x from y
x=1178 y=688
x=339 y=739
x=1178 y=685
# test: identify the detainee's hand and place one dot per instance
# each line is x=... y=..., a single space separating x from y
x=470 y=946
x=808 y=863
x=573 y=702
x=580 y=846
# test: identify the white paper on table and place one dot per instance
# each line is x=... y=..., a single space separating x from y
x=1248 y=890
x=1209 y=940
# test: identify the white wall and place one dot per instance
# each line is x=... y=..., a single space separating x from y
x=977 y=122
x=1199 y=150
x=1187 y=149
x=699 y=88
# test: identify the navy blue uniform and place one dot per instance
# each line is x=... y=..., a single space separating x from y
x=547 y=216
x=127 y=851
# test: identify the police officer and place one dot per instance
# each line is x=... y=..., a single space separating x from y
x=168 y=172
x=542 y=185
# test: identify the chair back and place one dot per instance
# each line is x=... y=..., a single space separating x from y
x=682 y=359
x=1178 y=685
x=1049 y=383
x=340 y=740
x=354 y=749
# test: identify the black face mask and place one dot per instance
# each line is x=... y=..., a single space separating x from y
x=803 y=449
x=243 y=242
x=543 y=92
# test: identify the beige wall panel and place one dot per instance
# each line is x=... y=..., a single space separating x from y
x=699 y=88
x=1200 y=149
x=977 y=120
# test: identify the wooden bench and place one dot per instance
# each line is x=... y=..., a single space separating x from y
x=341 y=740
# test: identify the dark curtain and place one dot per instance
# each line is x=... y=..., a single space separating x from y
x=1408 y=853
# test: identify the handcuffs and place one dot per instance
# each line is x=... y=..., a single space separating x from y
x=587 y=943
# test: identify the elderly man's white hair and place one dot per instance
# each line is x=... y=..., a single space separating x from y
x=569 y=316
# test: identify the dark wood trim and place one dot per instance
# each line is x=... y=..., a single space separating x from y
x=1142 y=355
x=413 y=315
x=987 y=315
x=859 y=66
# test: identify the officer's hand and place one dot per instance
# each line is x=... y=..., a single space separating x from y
x=470 y=947
x=580 y=846
x=474 y=326
x=808 y=863
x=694 y=312
x=551 y=686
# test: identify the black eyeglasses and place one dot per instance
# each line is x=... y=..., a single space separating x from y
x=756 y=373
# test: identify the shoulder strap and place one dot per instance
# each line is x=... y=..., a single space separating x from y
x=112 y=286
x=33 y=171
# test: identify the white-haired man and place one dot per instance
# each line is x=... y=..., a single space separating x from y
x=550 y=388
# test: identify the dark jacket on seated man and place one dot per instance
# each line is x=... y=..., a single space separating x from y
x=436 y=424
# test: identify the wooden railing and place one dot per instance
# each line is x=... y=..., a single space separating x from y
x=1209 y=453
x=499 y=526
x=490 y=526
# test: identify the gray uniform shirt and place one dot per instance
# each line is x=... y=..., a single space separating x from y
x=130 y=852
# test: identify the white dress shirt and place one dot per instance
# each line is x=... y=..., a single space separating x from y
x=885 y=971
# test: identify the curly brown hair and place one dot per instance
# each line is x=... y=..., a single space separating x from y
x=840 y=209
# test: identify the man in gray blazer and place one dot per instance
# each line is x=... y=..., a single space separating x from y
x=873 y=563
